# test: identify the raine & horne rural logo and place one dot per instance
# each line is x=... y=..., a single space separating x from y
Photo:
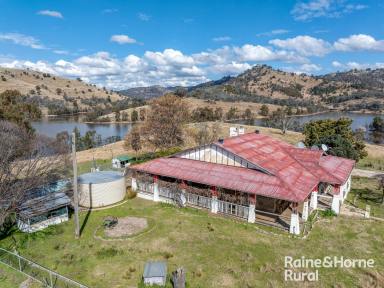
x=293 y=266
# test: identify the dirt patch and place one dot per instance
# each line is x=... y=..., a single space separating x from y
x=127 y=226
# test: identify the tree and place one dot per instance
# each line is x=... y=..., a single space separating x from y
x=133 y=140
x=264 y=110
x=124 y=116
x=377 y=124
x=281 y=120
x=27 y=161
x=142 y=113
x=338 y=135
x=219 y=113
x=117 y=116
x=134 y=116
x=247 y=114
x=14 y=109
x=232 y=113
x=206 y=134
x=164 y=124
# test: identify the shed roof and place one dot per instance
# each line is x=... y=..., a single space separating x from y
x=124 y=158
x=155 y=269
x=99 y=177
x=43 y=204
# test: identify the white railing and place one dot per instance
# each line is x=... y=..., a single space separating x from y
x=233 y=209
x=166 y=192
x=41 y=274
x=197 y=200
x=145 y=187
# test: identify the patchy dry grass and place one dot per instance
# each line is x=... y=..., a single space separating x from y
x=232 y=254
x=365 y=191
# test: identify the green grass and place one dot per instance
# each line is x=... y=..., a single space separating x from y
x=365 y=191
x=371 y=163
x=215 y=251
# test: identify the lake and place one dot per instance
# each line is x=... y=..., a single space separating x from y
x=360 y=120
x=53 y=125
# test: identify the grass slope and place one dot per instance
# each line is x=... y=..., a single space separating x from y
x=215 y=251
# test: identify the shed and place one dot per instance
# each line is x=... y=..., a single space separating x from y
x=121 y=161
x=155 y=273
x=40 y=212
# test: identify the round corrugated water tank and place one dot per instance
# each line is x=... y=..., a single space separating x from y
x=102 y=188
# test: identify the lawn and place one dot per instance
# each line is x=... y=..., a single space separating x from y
x=215 y=251
x=365 y=191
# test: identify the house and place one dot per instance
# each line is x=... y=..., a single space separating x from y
x=121 y=162
x=155 y=273
x=251 y=176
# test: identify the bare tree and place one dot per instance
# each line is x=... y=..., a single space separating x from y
x=206 y=133
x=282 y=120
x=133 y=140
x=27 y=161
x=164 y=124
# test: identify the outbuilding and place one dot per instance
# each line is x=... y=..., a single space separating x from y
x=121 y=162
x=155 y=273
x=40 y=212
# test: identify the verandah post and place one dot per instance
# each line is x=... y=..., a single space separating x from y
x=156 y=188
x=294 y=228
x=252 y=208
x=214 y=201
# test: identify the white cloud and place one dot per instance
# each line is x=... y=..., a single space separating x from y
x=109 y=10
x=304 y=45
x=273 y=32
x=123 y=39
x=21 y=39
x=305 y=11
x=61 y=52
x=356 y=65
x=359 y=42
x=221 y=39
x=143 y=16
x=310 y=67
x=50 y=13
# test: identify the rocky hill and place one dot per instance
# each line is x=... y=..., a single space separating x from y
x=352 y=90
x=57 y=95
x=146 y=93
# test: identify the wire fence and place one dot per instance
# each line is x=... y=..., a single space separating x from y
x=45 y=276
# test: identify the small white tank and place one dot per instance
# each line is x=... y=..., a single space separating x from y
x=101 y=188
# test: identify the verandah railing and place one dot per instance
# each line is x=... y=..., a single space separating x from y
x=233 y=209
x=37 y=272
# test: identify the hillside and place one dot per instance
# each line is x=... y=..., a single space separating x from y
x=56 y=94
x=194 y=103
x=146 y=93
x=352 y=90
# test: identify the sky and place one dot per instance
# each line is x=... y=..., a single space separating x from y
x=131 y=43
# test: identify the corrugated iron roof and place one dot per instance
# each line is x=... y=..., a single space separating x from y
x=294 y=172
x=229 y=177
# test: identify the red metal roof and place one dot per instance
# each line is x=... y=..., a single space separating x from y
x=293 y=172
x=272 y=155
x=230 y=177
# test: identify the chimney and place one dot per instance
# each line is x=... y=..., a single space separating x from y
x=221 y=141
x=257 y=131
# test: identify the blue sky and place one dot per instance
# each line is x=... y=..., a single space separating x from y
x=121 y=44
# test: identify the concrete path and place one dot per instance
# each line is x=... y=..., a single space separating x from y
x=366 y=173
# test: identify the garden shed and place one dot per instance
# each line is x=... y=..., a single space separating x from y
x=40 y=212
x=121 y=161
x=155 y=273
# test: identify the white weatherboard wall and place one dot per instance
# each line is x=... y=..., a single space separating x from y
x=92 y=195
